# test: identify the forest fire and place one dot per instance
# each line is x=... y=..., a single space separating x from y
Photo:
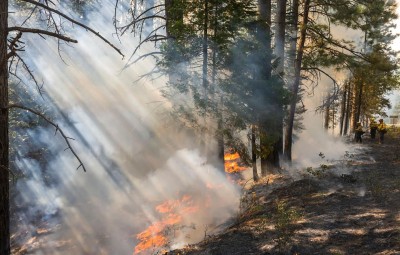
x=232 y=163
x=173 y=212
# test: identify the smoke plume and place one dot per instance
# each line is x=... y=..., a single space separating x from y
x=135 y=159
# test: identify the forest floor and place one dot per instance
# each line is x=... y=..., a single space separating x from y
x=348 y=207
x=324 y=213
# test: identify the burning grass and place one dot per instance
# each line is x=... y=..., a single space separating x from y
x=233 y=163
x=156 y=236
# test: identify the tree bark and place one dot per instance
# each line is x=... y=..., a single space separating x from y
x=333 y=110
x=354 y=104
x=205 y=48
x=220 y=120
x=291 y=53
x=293 y=27
x=280 y=35
x=327 y=109
x=254 y=153
x=296 y=84
x=348 y=109
x=359 y=102
x=4 y=161
x=221 y=143
x=264 y=36
x=343 y=109
x=280 y=54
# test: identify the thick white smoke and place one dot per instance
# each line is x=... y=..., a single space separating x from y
x=315 y=144
x=134 y=160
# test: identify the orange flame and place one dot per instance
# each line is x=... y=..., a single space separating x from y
x=173 y=212
x=231 y=156
x=232 y=163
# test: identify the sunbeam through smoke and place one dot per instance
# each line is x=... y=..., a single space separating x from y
x=137 y=164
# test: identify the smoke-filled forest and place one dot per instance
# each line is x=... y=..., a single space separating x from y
x=199 y=127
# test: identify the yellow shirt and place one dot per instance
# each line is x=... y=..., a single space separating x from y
x=381 y=126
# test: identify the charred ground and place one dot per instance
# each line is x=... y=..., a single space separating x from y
x=327 y=212
x=351 y=206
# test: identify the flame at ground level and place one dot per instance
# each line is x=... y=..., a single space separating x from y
x=233 y=163
x=155 y=236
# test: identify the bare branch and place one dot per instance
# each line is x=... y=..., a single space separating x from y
x=151 y=54
x=47 y=2
x=44 y=32
x=330 y=100
x=321 y=71
x=13 y=45
x=150 y=9
x=337 y=44
x=141 y=18
x=30 y=72
x=153 y=71
x=74 y=22
x=115 y=19
x=29 y=16
x=150 y=38
x=54 y=125
x=124 y=28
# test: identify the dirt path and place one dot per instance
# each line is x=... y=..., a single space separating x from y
x=326 y=213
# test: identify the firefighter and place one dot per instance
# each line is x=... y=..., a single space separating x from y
x=381 y=130
x=358 y=132
x=373 y=126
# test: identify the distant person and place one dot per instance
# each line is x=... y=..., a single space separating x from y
x=381 y=130
x=373 y=126
x=358 y=132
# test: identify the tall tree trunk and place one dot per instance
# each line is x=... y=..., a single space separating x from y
x=343 y=108
x=205 y=48
x=205 y=82
x=332 y=109
x=327 y=109
x=264 y=36
x=296 y=84
x=291 y=53
x=348 y=109
x=280 y=20
x=359 y=101
x=220 y=136
x=354 y=104
x=220 y=141
x=293 y=27
x=254 y=153
x=4 y=172
x=280 y=54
